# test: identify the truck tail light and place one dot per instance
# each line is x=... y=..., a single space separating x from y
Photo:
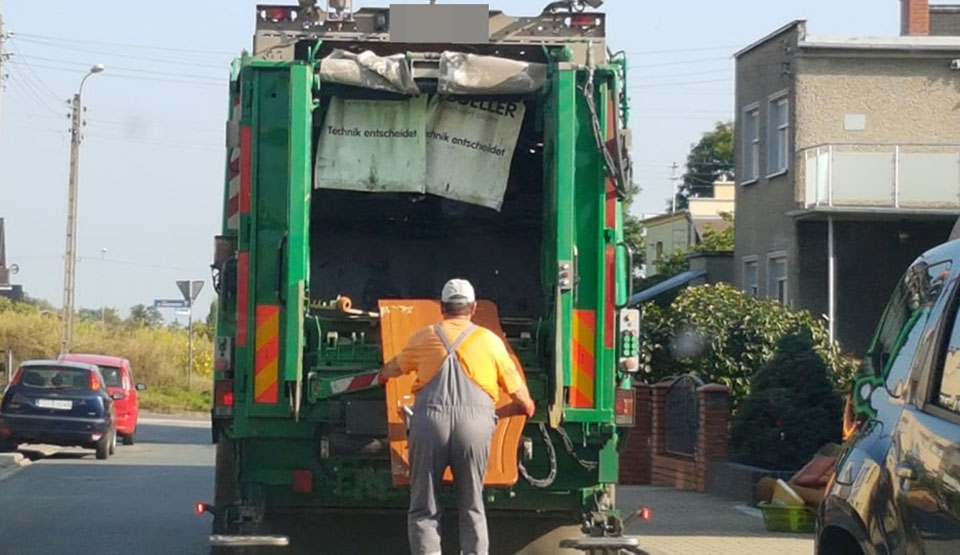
x=584 y=21
x=303 y=481
x=223 y=398
x=276 y=14
x=624 y=411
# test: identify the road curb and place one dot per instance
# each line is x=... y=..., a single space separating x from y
x=11 y=463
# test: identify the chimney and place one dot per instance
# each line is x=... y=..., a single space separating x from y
x=914 y=17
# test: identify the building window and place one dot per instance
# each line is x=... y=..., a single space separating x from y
x=751 y=143
x=659 y=250
x=750 y=277
x=777 y=278
x=778 y=125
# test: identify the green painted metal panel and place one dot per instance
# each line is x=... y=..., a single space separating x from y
x=298 y=223
x=561 y=129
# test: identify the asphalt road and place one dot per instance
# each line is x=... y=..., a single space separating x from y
x=139 y=501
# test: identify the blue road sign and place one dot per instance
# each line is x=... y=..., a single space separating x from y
x=171 y=303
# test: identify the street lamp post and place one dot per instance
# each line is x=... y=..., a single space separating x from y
x=70 y=257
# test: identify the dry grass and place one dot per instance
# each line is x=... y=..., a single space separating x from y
x=158 y=355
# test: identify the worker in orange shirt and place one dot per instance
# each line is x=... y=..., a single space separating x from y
x=460 y=369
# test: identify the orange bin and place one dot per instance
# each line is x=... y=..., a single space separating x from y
x=399 y=320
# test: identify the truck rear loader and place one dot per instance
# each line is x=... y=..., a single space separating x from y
x=372 y=155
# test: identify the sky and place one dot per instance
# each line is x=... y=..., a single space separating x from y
x=152 y=160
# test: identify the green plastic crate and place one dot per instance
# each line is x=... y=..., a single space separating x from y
x=788 y=519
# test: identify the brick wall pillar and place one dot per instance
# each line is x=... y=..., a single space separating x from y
x=714 y=428
x=636 y=457
x=658 y=417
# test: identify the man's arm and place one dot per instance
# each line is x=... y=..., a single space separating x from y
x=391 y=370
x=511 y=381
x=521 y=398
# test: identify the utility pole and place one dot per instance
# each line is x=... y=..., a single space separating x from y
x=673 y=181
x=3 y=55
x=103 y=304
x=70 y=257
x=190 y=344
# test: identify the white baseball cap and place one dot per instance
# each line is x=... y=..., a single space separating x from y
x=458 y=290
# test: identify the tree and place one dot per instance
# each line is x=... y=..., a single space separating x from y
x=707 y=161
x=791 y=411
x=142 y=315
x=633 y=229
x=677 y=261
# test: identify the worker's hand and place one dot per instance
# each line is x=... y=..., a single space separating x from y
x=530 y=409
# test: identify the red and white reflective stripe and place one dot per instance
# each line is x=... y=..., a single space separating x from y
x=361 y=381
x=233 y=183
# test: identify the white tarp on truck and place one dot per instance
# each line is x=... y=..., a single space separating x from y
x=470 y=145
x=373 y=145
x=457 y=148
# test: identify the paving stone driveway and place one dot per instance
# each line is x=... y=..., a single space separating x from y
x=686 y=522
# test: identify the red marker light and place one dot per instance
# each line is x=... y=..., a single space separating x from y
x=644 y=514
x=584 y=20
x=200 y=508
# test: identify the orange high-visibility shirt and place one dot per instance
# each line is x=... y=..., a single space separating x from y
x=483 y=355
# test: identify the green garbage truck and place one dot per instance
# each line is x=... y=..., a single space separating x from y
x=372 y=155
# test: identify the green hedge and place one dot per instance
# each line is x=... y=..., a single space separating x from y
x=725 y=336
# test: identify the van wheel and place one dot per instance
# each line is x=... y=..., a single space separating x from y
x=129 y=439
x=103 y=446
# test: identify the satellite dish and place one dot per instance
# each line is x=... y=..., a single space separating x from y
x=14 y=269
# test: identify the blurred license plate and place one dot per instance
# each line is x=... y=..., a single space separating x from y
x=57 y=404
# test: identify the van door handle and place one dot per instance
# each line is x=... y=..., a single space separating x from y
x=906 y=471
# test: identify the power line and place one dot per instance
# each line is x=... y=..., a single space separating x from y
x=683 y=62
x=134 y=70
x=29 y=90
x=114 y=75
x=173 y=61
x=128 y=45
x=680 y=83
x=33 y=72
x=675 y=50
x=646 y=77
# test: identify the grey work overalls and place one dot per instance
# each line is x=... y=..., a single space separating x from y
x=453 y=420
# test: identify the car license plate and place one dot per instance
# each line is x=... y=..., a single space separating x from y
x=56 y=404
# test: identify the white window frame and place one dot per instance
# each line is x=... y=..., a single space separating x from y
x=783 y=148
x=773 y=293
x=753 y=147
x=751 y=289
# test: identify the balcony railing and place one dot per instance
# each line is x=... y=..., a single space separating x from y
x=904 y=176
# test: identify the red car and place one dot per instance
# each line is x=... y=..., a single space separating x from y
x=126 y=395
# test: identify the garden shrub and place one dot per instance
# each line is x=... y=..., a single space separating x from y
x=725 y=336
x=792 y=409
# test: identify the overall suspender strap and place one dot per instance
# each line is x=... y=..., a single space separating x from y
x=452 y=347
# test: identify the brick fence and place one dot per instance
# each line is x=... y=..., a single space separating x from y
x=645 y=459
x=635 y=461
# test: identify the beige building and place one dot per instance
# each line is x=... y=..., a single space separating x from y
x=847 y=165
x=669 y=233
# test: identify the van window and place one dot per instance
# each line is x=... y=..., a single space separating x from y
x=947 y=384
x=909 y=306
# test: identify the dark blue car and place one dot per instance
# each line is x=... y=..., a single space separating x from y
x=59 y=403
